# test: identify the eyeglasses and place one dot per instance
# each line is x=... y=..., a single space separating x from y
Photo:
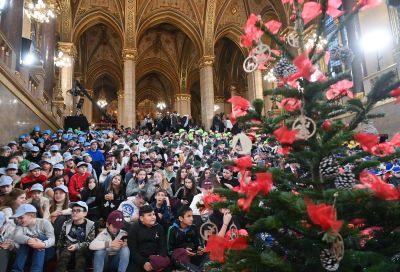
x=77 y=210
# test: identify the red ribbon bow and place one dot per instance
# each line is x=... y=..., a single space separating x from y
x=380 y=188
x=217 y=245
x=262 y=184
x=323 y=215
x=284 y=135
x=210 y=198
x=239 y=107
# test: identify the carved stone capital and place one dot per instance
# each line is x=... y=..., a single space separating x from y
x=182 y=97
x=68 y=48
x=206 y=61
x=219 y=99
x=120 y=94
x=129 y=54
x=58 y=97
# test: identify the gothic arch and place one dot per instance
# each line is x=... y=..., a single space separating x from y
x=100 y=69
x=159 y=66
x=233 y=33
x=174 y=18
x=151 y=93
x=93 y=18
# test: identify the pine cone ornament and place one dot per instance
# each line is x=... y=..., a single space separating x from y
x=341 y=53
x=396 y=258
x=284 y=68
x=329 y=167
x=345 y=181
x=328 y=260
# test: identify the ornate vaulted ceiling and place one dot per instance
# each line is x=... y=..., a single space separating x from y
x=170 y=37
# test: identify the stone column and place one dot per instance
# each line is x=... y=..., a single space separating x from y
x=353 y=36
x=207 y=90
x=129 y=115
x=267 y=99
x=220 y=102
x=254 y=83
x=182 y=104
x=120 y=94
x=66 y=75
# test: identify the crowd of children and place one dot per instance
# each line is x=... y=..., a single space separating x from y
x=121 y=199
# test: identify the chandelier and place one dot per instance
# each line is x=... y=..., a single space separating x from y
x=62 y=60
x=161 y=105
x=39 y=11
x=102 y=101
x=311 y=41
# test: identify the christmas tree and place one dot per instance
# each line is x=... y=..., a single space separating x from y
x=336 y=215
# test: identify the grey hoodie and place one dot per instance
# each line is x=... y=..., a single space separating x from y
x=41 y=227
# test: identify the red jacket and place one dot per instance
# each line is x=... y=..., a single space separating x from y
x=76 y=183
x=28 y=181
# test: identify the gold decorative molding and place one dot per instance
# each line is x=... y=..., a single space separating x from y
x=209 y=27
x=120 y=94
x=182 y=97
x=129 y=54
x=206 y=61
x=130 y=23
x=65 y=19
x=68 y=48
x=219 y=99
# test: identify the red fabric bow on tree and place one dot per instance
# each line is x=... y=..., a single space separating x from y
x=339 y=89
x=366 y=140
x=217 y=245
x=243 y=163
x=252 y=32
x=290 y=104
x=210 y=198
x=239 y=107
x=310 y=11
x=382 y=149
x=262 y=184
x=323 y=215
x=370 y=143
x=273 y=26
x=285 y=135
x=333 y=8
x=380 y=188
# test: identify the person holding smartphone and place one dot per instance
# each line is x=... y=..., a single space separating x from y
x=227 y=180
x=184 y=242
x=110 y=246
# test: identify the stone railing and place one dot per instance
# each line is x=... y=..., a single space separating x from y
x=27 y=84
x=370 y=80
x=7 y=54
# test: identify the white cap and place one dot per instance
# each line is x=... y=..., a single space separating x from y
x=54 y=148
x=5 y=180
x=37 y=187
x=23 y=209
